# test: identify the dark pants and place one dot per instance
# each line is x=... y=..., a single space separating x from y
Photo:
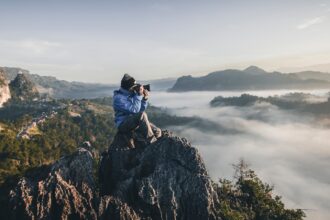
x=139 y=123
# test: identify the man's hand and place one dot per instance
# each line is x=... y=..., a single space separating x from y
x=145 y=93
x=141 y=90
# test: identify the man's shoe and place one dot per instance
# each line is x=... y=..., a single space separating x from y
x=145 y=141
x=153 y=139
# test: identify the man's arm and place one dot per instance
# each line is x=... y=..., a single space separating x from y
x=144 y=101
x=144 y=104
x=129 y=105
x=132 y=104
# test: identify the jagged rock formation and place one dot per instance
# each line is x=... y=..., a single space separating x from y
x=111 y=208
x=164 y=180
x=65 y=190
x=4 y=89
x=22 y=88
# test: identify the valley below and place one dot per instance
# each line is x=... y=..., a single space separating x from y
x=281 y=135
x=288 y=148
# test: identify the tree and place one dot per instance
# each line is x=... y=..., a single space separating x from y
x=247 y=197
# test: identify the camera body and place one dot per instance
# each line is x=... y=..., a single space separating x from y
x=147 y=87
x=137 y=87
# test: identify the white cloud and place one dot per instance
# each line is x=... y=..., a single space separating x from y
x=311 y=22
x=286 y=149
x=37 y=47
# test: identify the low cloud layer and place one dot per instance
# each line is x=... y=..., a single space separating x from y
x=288 y=150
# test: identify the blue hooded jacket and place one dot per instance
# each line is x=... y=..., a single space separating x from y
x=126 y=103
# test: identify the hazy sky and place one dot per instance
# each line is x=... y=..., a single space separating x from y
x=100 y=40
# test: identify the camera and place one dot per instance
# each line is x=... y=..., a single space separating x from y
x=146 y=87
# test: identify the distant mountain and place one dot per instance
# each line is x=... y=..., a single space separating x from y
x=300 y=102
x=160 y=84
x=60 y=88
x=11 y=72
x=252 y=78
x=254 y=70
x=312 y=75
x=324 y=67
x=76 y=90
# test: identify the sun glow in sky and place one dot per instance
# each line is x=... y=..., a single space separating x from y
x=97 y=41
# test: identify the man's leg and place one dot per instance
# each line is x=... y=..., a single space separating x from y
x=129 y=124
x=157 y=131
x=140 y=123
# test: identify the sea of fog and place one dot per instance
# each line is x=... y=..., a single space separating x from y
x=286 y=149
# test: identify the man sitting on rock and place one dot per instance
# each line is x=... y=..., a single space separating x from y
x=130 y=103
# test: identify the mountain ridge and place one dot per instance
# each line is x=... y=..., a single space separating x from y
x=255 y=70
x=252 y=78
x=56 y=88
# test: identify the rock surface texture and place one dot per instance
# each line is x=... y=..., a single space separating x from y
x=4 y=89
x=22 y=88
x=164 y=180
x=65 y=190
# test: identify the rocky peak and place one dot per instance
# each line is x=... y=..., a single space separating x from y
x=164 y=180
x=63 y=190
x=22 y=88
x=254 y=70
x=11 y=72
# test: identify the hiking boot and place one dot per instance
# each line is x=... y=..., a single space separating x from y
x=144 y=141
x=153 y=139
